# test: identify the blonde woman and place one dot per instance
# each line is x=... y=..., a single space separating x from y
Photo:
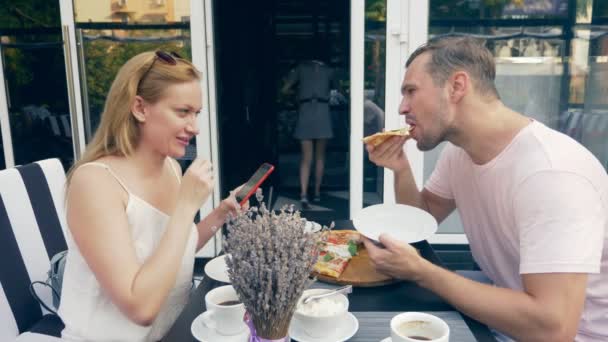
x=130 y=212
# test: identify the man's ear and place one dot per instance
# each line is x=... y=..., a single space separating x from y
x=138 y=109
x=459 y=85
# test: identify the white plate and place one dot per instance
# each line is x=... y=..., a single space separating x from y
x=403 y=222
x=217 y=269
x=388 y=339
x=346 y=329
x=204 y=334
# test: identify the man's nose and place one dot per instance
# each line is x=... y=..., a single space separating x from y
x=404 y=106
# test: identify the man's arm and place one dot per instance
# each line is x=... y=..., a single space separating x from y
x=390 y=154
x=548 y=309
x=406 y=192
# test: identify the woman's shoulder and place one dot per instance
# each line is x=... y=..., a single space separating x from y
x=96 y=175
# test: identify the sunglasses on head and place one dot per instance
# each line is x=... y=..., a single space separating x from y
x=167 y=57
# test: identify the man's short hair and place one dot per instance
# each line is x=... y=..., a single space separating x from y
x=460 y=53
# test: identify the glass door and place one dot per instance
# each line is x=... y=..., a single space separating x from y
x=36 y=108
x=384 y=32
x=283 y=85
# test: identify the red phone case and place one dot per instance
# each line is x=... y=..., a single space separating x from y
x=257 y=184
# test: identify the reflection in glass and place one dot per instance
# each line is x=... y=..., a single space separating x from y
x=501 y=9
x=304 y=34
x=110 y=33
x=555 y=71
x=132 y=11
x=373 y=105
x=35 y=76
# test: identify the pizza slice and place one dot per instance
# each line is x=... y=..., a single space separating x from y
x=378 y=138
x=330 y=264
x=337 y=250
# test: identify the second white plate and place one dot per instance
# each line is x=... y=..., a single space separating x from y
x=403 y=222
x=217 y=269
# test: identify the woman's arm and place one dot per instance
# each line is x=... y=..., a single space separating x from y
x=208 y=226
x=98 y=222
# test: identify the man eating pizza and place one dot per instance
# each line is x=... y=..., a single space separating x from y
x=533 y=202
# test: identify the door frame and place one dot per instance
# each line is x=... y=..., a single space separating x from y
x=5 y=125
x=406 y=29
x=203 y=57
x=70 y=51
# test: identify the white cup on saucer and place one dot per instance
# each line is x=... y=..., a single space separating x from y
x=224 y=311
x=419 y=326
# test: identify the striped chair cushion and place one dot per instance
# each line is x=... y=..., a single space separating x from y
x=32 y=227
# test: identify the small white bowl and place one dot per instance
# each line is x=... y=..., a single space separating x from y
x=322 y=325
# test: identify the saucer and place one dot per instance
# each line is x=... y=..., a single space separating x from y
x=204 y=334
x=312 y=227
x=388 y=339
x=217 y=269
x=346 y=329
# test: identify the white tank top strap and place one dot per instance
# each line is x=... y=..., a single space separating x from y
x=107 y=167
x=179 y=179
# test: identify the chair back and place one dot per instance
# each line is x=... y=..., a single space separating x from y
x=32 y=228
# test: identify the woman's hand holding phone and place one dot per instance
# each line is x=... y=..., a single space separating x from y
x=197 y=185
x=230 y=205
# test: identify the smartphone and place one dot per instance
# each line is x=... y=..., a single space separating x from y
x=254 y=183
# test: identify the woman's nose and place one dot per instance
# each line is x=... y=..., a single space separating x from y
x=192 y=126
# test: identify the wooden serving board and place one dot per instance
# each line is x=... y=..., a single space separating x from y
x=359 y=272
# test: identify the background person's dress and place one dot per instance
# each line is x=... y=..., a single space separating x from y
x=314 y=119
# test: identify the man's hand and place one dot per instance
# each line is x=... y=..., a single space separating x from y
x=389 y=154
x=396 y=259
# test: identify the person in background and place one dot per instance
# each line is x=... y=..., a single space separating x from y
x=130 y=212
x=314 y=79
x=533 y=202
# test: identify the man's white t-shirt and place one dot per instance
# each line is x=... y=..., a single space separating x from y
x=540 y=206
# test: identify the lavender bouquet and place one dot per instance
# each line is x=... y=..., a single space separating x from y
x=272 y=256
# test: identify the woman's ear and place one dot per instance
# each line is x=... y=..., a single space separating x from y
x=138 y=109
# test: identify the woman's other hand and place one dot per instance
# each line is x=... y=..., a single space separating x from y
x=197 y=184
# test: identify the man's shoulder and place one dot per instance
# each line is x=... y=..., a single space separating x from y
x=548 y=151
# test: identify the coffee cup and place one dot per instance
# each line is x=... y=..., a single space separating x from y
x=419 y=326
x=224 y=311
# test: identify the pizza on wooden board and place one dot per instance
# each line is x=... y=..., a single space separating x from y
x=336 y=251
x=378 y=138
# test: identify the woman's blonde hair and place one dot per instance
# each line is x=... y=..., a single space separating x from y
x=145 y=75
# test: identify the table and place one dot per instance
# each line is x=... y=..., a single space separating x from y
x=399 y=297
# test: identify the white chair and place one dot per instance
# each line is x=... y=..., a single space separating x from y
x=32 y=228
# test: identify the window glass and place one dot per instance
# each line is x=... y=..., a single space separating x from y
x=551 y=63
x=35 y=78
x=110 y=33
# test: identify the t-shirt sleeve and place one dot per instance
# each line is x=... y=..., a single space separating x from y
x=439 y=181
x=561 y=222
